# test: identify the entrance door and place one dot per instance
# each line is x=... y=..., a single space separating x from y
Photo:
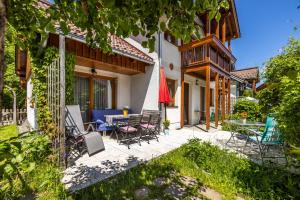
x=186 y=102
x=202 y=103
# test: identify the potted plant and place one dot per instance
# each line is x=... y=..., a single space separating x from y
x=125 y=111
x=166 y=125
x=244 y=117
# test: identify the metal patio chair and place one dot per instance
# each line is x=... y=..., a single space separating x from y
x=152 y=127
x=77 y=136
x=131 y=131
x=270 y=137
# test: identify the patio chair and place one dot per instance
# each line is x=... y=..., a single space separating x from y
x=270 y=137
x=78 y=136
x=131 y=130
x=146 y=115
x=152 y=128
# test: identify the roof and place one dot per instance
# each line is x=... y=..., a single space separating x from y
x=235 y=16
x=247 y=73
x=118 y=45
x=261 y=87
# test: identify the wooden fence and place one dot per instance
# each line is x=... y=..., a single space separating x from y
x=7 y=116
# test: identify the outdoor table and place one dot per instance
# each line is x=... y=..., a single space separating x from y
x=241 y=126
x=111 y=118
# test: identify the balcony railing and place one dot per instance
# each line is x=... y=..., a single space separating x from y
x=209 y=49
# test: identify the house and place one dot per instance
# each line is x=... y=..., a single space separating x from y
x=198 y=73
x=250 y=75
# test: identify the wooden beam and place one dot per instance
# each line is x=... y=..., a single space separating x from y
x=218 y=29
x=182 y=100
x=229 y=44
x=88 y=62
x=207 y=98
x=217 y=100
x=195 y=68
x=224 y=31
x=208 y=25
x=62 y=84
x=254 y=86
x=228 y=97
x=83 y=74
x=223 y=99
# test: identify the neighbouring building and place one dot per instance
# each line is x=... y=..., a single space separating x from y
x=199 y=74
x=250 y=75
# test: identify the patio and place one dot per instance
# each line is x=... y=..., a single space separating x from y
x=117 y=158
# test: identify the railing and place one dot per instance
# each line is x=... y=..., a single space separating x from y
x=7 y=116
x=208 y=49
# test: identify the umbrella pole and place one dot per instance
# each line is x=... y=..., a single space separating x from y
x=165 y=111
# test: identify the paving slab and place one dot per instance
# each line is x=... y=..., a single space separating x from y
x=117 y=158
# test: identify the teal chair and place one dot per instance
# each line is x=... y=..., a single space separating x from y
x=270 y=137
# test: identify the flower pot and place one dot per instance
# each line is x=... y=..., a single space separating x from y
x=244 y=121
x=125 y=112
x=166 y=131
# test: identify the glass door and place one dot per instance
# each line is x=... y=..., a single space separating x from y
x=82 y=96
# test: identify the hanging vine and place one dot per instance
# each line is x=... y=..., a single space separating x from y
x=39 y=80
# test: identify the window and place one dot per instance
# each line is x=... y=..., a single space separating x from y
x=172 y=91
x=170 y=38
x=93 y=93
x=212 y=97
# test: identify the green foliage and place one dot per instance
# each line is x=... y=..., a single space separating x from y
x=70 y=76
x=26 y=171
x=7 y=132
x=248 y=93
x=39 y=69
x=250 y=107
x=19 y=156
x=166 y=124
x=10 y=77
x=122 y=18
x=282 y=95
x=245 y=177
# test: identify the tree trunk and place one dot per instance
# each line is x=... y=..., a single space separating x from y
x=2 y=48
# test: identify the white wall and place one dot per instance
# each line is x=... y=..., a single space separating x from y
x=31 y=111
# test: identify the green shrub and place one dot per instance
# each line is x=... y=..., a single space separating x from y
x=248 y=93
x=250 y=107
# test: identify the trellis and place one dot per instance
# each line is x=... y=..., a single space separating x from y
x=56 y=100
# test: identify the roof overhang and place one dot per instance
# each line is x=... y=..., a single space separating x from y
x=235 y=18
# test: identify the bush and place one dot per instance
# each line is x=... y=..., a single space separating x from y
x=248 y=93
x=250 y=107
x=23 y=161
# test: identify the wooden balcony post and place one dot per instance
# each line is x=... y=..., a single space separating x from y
x=182 y=100
x=223 y=99
x=218 y=30
x=217 y=100
x=207 y=25
x=224 y=31
x=228 y=95
x=207 y=97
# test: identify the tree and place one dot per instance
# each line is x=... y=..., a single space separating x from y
x=99 y=18
x=282 y=96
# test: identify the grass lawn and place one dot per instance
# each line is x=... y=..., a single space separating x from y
x=220 y=170
x=7 y=132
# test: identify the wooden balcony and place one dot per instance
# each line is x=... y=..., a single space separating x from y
x=207 y=51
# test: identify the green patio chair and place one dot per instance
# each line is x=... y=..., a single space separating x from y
x=270 y=137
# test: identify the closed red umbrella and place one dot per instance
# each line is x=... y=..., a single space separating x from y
x=164 y=95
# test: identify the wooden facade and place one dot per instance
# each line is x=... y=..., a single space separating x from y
x=211 y=59
x=95 y=58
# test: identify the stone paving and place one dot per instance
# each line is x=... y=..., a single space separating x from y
x=117 y=158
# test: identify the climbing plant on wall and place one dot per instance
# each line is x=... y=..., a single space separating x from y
x=39 y=79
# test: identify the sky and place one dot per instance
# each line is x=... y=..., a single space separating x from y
x=266 y=26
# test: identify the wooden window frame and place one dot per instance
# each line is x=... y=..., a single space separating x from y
x=173 y=98
x=91 y=78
